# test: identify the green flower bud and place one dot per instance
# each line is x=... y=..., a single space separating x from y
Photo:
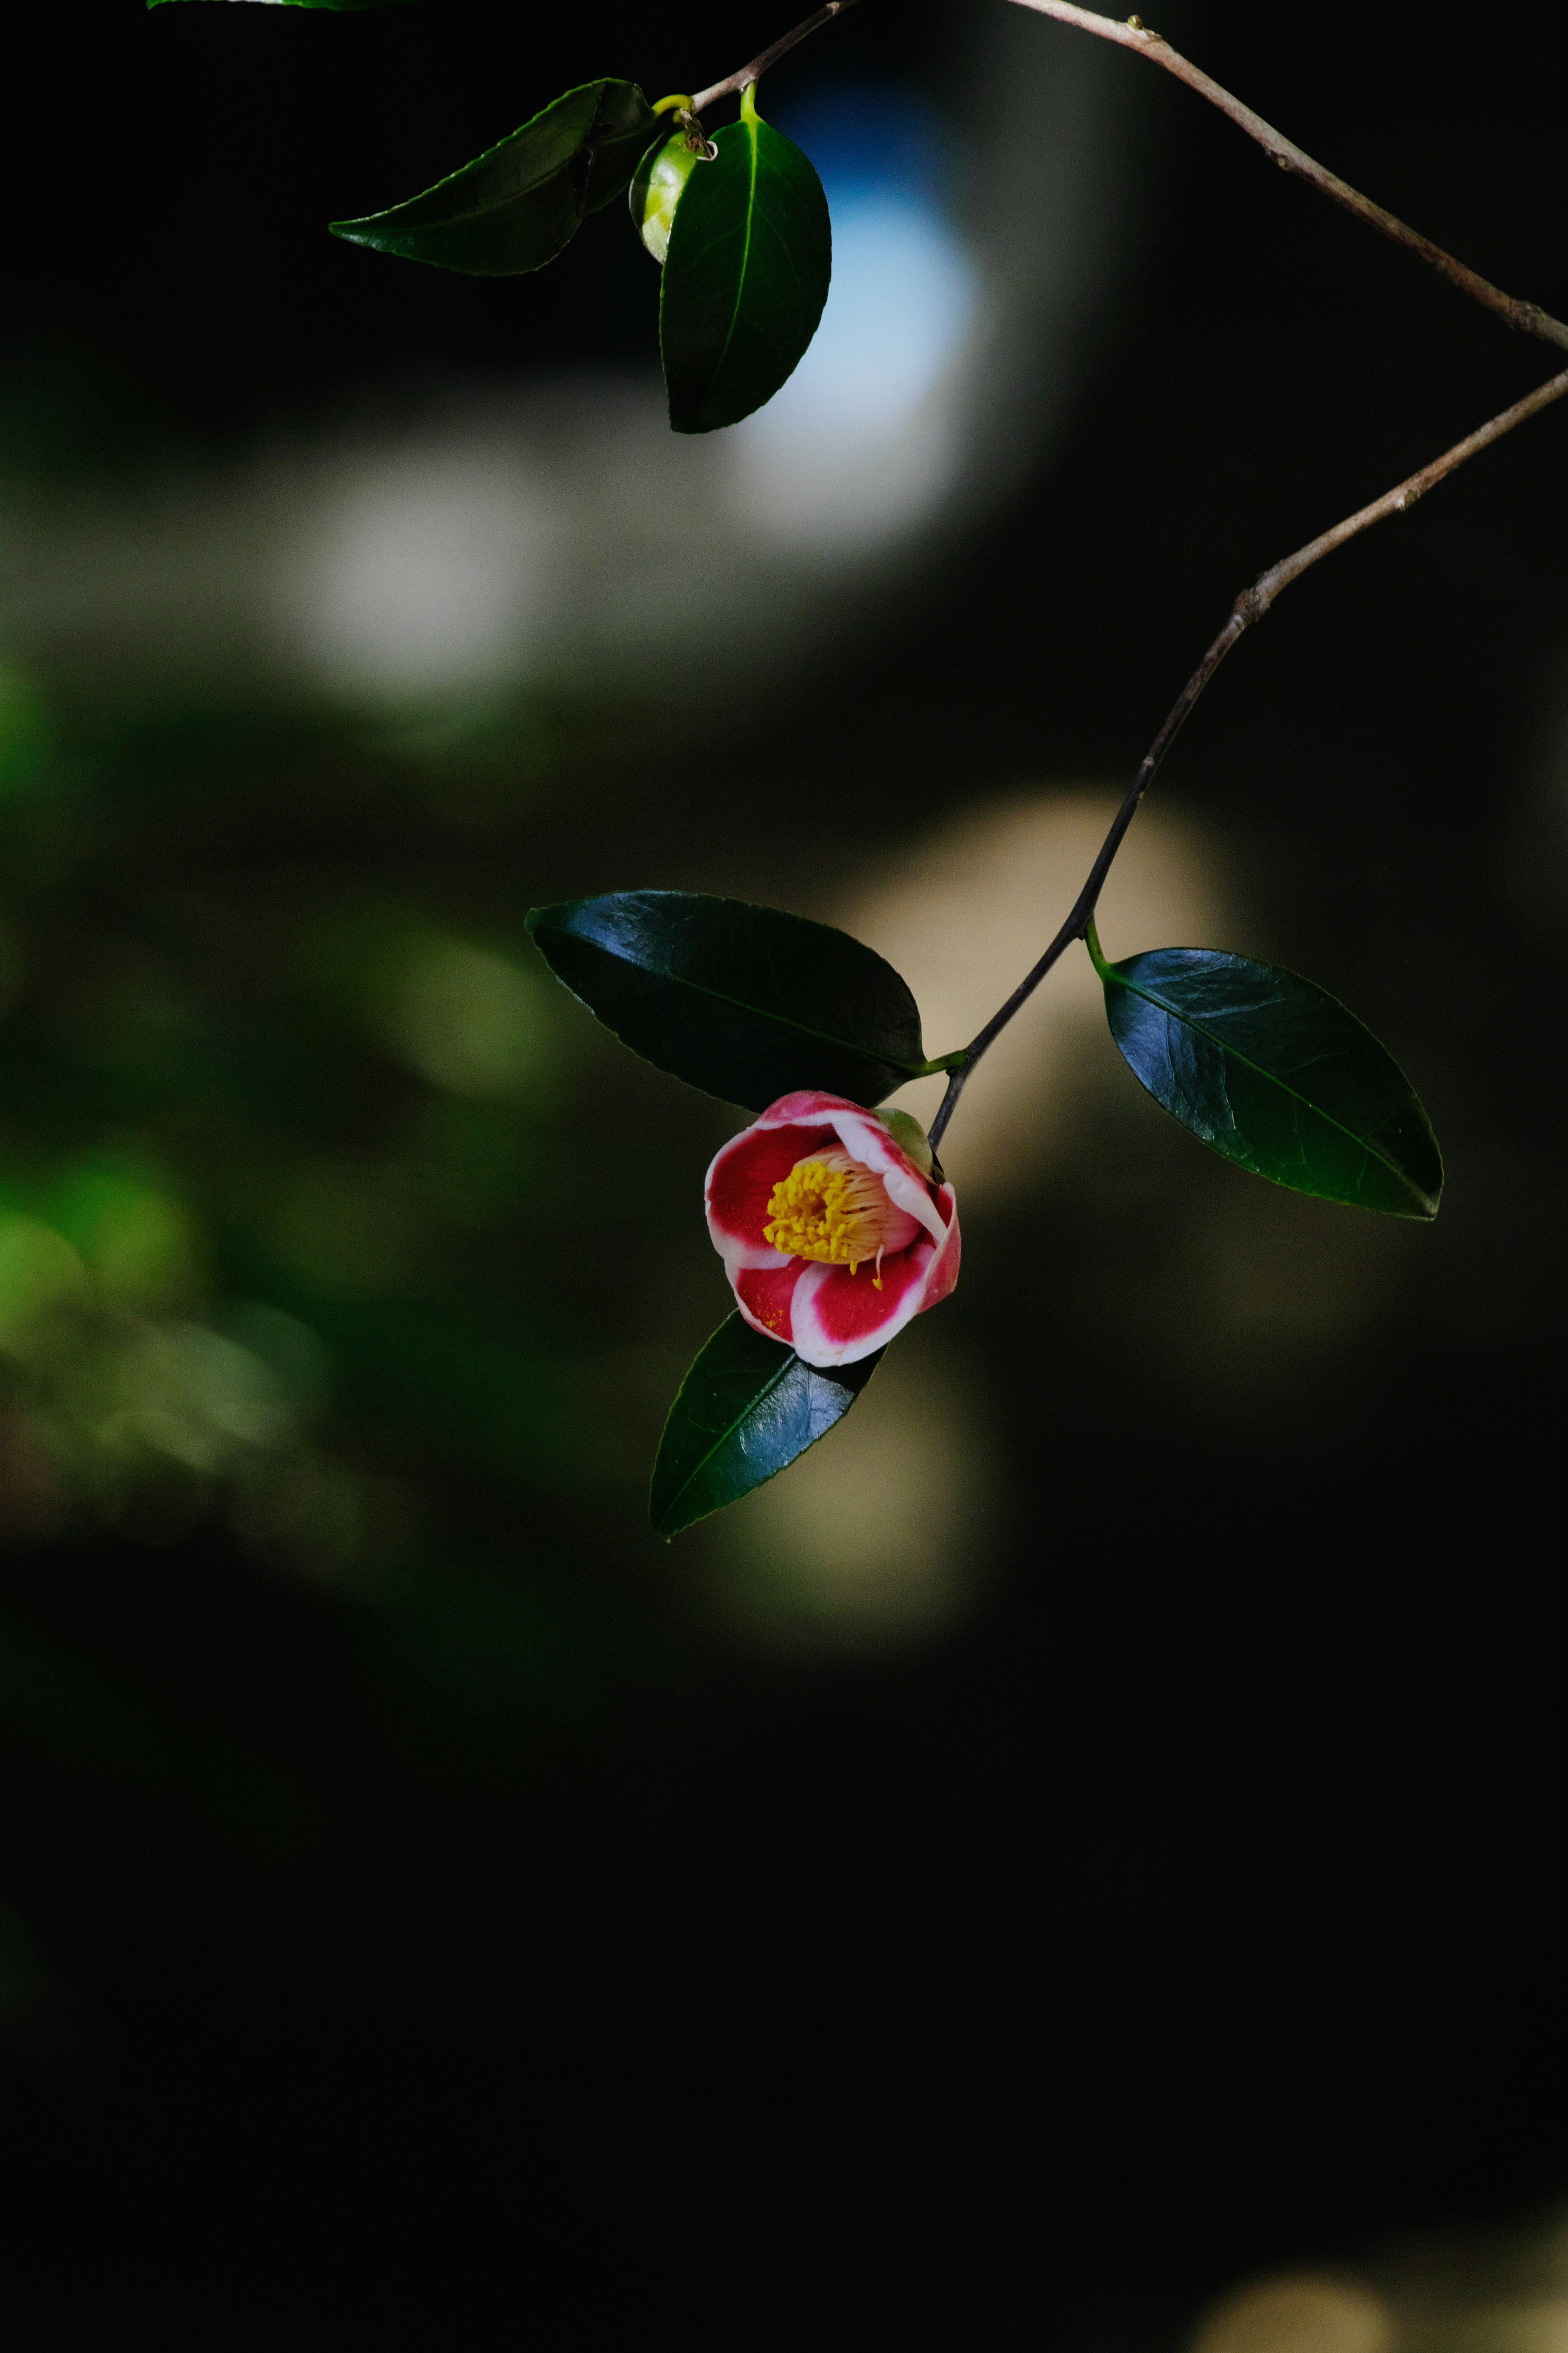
x=656 y=191
x=910 y=1136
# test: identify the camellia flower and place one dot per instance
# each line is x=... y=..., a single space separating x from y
x=832 y=1227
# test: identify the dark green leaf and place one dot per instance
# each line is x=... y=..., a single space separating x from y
x=515 y=206
x=1274 y=1073
x=746 y=1409
x=619 y=144
x=745 y=278
x=745 y=1002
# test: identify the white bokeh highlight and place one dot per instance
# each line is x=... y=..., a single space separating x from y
x=428 y=572
x=439 y=559
x=863 y=442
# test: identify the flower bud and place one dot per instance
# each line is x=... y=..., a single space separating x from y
x=911 y=1138
x=656 y=191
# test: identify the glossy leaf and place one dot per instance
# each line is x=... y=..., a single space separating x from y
x=514 y=208
x=1274 y=1073
x=745 y=1002
x=746 y=1410
x=745 y=277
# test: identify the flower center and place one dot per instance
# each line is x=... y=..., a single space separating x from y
x=835 y=1209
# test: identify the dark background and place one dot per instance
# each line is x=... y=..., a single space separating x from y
x=1190 y=1910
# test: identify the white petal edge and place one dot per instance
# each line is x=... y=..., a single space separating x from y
x=870 y=1142
x=813 y=1345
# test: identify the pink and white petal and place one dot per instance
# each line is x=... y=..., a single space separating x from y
x=839 y=1318
x=907 y=1189
x=910 y=1191
x=766 y=1300
x=808 y=1107
x=898 y=1232
x=740 y=1184
x=862 y=1133
x=834 y=1321
x=944 y=1266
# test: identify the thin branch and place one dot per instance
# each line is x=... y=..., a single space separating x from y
x=1250 y=606
x=1528 y=317
x=745 y=75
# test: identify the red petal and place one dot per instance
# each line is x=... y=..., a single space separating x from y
x=841 y=1316
x=739 y=1186
x=766 y=1300
x=838 y=1318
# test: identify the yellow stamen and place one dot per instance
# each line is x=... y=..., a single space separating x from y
x=834 y=1208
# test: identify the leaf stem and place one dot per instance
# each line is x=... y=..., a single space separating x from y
x=745 y=76
x=1528 y=317
x=1250 y=606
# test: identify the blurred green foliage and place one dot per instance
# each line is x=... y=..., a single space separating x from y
x=296 y=1237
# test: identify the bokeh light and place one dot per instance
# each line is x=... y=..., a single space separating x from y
x=965 y=913
x=883 y=1543
x=1308 y=2315
x=1074 y=1854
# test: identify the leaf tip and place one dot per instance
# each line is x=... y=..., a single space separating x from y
x=660 y=1509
